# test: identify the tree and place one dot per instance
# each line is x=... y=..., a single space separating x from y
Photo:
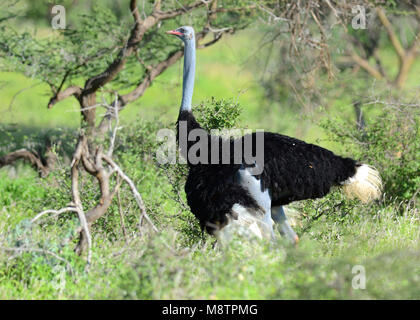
x=314 y=39
x=93 y=62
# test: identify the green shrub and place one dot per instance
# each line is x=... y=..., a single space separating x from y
x=390 y=142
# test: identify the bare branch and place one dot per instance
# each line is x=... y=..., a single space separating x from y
x=366 y=66
x=61 y=95
x=154 y=72
x=157 y=5
x=272 y=16
x=391 y=34
x=120 y=211
x=133 y=188
x=406 y=63
x=86 y=237
x=216 y=38
x=56 y=213
x=33 y=157
x=114 y=133
x=135 y=11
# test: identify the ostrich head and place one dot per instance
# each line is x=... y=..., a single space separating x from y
x=184 y=33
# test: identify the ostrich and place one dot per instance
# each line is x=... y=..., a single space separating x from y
x=225 y=196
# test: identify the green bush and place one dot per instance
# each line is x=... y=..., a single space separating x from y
x=390 y=142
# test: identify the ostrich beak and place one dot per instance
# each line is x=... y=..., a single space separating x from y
x=174 y=32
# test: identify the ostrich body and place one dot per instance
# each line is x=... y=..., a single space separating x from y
x=222 y=196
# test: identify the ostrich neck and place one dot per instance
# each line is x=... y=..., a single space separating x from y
x=188 y=77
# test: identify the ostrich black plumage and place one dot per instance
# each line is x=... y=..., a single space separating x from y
x=222 y=196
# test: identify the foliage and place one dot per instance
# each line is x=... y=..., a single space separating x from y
x=218 y=114
x=76 y=53
x=326 y=48
x=390 y=142
x=92 y=42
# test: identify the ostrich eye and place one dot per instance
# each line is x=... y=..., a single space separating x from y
x=182 y=30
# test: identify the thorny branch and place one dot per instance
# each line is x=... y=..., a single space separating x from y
x=92 y=162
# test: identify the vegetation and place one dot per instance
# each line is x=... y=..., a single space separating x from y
x=129 y=258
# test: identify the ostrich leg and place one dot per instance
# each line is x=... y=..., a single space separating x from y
x=286 y=230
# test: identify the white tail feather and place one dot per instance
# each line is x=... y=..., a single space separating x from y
x=365 y=185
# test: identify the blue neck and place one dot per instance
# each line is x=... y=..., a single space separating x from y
x=188 y=77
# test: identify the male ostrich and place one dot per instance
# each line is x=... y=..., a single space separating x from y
x=223 y=196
